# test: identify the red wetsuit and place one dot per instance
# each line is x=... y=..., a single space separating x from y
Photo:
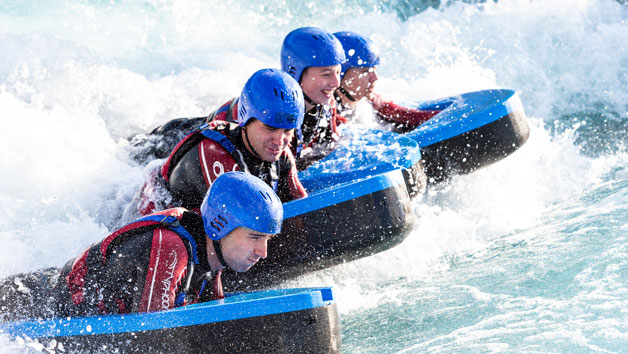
x=404 y=118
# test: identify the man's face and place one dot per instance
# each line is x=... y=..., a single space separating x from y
x=360 y=82
x=319 y=83
x=243 y=247
x=268 y=142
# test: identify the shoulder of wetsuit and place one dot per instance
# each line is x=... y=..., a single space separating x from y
x=193 y=222
x=178 y=125
x=226 y=128
x=225 y=112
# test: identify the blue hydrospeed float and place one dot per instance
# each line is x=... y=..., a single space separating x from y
x=359 y=204
x=473 y=130
x=275 y=321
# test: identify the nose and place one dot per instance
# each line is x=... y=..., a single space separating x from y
x=283 y=137
x=374 y=76
x=262 y=248
x=334 y=81
x=279 y=136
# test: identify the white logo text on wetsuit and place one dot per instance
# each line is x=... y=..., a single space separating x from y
x=165 y=284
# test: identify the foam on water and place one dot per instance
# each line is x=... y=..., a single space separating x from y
x=470 y=212
x=526 y=255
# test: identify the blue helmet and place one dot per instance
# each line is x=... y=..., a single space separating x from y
x=240 y=199
x=274 y=98
x=309 y=46
x=360 y=51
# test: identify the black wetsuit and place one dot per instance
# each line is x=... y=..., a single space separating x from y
x=147 y=267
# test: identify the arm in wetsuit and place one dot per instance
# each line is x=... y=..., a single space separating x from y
x=289 y=186
x=410 y=118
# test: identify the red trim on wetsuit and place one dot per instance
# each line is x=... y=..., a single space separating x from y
x=167 y=266
x=214 y=160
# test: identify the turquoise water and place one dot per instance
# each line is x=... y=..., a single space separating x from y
x=525 y=256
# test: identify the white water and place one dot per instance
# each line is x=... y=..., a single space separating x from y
x=76 y=78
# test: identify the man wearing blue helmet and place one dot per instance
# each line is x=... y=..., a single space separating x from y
x=266 y=117
x=313 y=57
x=359 y=77
x=167 y=259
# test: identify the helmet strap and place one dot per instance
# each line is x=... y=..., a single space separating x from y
x=219 y=255
x=248 y=142
x=347 y=95
x=309 y=100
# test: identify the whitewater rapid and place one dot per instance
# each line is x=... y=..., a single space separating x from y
x=526 y=255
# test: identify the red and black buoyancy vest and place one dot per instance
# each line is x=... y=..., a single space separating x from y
x=193 y=139
x=95 y=257
x=221 y=133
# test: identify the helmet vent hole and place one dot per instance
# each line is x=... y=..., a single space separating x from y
x=223 y=219
x=264 y=195
x=281 y=93
x=219 y=224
